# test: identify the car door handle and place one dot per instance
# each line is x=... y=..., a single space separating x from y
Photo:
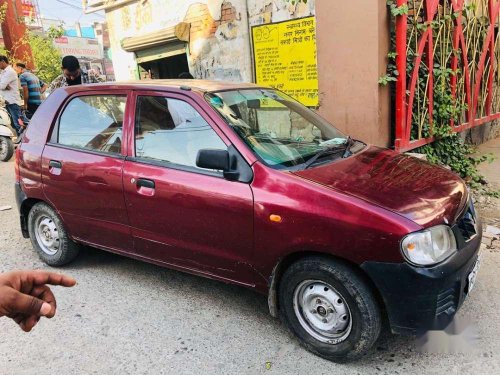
x=55 y=164
x=144 y=182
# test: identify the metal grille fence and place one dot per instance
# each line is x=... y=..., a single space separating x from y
x=447 y=58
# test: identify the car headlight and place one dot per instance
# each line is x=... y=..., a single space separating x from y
x=429 y=246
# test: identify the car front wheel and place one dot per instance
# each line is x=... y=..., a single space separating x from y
x=330 y=308
x=48 y=236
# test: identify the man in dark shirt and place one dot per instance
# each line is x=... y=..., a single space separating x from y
x=32 y=87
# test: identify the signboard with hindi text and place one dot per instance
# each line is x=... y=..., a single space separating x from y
x=285 y=58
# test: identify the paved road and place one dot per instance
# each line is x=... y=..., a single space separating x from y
x=128 y=317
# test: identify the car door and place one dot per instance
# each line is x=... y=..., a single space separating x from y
x=82 y=168
x=181 y=214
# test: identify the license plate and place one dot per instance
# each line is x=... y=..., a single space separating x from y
x=473 y=275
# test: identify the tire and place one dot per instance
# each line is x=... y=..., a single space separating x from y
x=330 y=308
x=56 y=249
x=6 y=148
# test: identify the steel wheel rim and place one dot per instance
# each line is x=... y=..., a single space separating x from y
x=322 y=311
x=47 y=235
x=4 y=148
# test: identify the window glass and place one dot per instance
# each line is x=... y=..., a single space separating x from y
x=93 y=123
x=278 y=129
x=172 y=130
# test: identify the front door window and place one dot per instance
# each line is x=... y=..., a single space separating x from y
x=172 y=131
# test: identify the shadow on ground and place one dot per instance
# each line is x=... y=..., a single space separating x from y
x=243 y=300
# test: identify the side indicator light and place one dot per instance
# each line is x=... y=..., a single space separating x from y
x=275 y=218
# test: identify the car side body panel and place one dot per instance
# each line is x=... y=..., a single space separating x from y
x=315 y=220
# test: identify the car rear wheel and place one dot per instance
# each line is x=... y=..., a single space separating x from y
x=48 y=236
x=330 y=308
x=6 y=148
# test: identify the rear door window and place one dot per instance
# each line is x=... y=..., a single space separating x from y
x=172 y=131
x=93 y=123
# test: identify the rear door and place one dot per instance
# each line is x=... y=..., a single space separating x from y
x=181 y=214
x=82 y=169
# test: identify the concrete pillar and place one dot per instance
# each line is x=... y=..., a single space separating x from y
x=353 y=41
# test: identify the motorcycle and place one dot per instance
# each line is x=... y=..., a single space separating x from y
x=7 y=134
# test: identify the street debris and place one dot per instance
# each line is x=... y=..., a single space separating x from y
x=491 y=237
x=5 y=208
x=490 y=229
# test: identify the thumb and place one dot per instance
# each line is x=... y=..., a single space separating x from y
x=29 y=305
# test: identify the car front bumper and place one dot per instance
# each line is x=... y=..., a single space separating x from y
x=418 y=299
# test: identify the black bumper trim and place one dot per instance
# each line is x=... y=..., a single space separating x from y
x=418 y=299
x=20 y=198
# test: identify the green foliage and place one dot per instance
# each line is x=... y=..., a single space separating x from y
x=395 y=10
x=3 y=11
x=448 y=148
x=384 y=80
x=55 y=32
x=47 y=58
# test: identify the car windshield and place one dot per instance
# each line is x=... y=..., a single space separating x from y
x=283 y=133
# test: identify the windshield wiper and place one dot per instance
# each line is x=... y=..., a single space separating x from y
x=348 y=144
x=327 y=151
x=332 y=150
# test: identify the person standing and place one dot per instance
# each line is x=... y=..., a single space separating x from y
x=33 y=89
x=9 y=89
x=72 y=75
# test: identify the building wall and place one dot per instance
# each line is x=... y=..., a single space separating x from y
x=267 y=11
x=219 y=46
x=352 y=55
x=352 y=44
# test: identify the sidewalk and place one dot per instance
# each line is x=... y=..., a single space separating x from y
x=491 y=171
x=490 y=209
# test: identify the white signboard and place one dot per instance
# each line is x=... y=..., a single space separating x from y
x=81 y=48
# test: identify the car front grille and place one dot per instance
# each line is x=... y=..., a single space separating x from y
x=467 y=224
x=447 y=302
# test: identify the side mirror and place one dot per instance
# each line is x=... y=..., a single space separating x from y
x=218 y=160
x=213 y=159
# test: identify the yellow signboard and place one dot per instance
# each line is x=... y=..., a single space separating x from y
x=285 y=58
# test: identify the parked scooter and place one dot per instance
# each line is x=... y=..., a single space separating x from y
x=7 y=134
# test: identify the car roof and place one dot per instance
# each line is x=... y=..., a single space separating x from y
x=200 y=85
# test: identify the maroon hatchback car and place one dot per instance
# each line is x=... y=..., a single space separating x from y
x=245 y=185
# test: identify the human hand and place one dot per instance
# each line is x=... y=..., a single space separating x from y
x=25 y=297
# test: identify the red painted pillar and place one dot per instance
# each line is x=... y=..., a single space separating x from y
x=14 y=31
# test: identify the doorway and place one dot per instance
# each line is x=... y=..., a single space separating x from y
x=164 y=68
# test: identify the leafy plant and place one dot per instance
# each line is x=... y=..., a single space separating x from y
x=46 y=56
x=397 y=10
x=448 y=107
x=384 y=80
